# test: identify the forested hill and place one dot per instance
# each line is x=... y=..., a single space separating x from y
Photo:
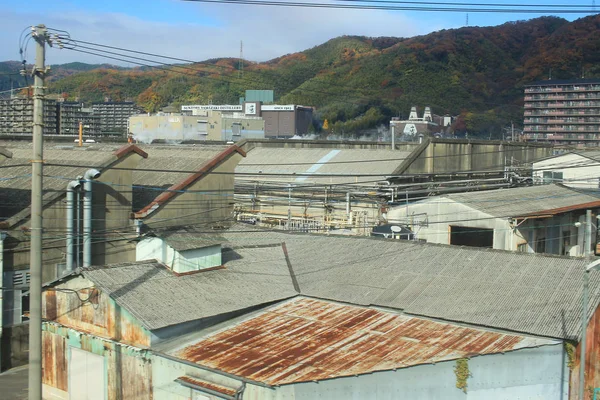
x=360 y=82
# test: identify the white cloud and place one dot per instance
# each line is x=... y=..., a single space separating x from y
x=267 y=32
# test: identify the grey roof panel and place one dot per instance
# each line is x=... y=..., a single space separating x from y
x=529 y=293
x=320 y=161
x=522 y=201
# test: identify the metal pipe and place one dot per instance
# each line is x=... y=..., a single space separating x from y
x=71 y=187
x=89 y=175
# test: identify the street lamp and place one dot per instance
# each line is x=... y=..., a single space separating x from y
x=584 y=303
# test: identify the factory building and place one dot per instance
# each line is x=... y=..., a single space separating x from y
x=205 y=124
x=280 y=121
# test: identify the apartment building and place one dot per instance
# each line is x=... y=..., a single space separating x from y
x=16 y=116
x=114 y=116
x=70 y=114
x=564 y=112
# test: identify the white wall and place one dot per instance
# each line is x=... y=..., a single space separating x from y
x=431 y=221
x=535 y=374
x=582 y=177
x=180 y=262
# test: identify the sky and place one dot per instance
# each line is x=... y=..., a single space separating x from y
x=200 y=31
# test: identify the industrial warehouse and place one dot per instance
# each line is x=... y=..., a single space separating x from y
x=285 y=229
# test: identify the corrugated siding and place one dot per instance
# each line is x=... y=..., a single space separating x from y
x=54 y=361
x=91 y=311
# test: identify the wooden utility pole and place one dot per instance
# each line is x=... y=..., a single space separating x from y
x=40 y=35
x=80 y=133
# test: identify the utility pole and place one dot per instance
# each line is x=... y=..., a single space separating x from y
x=584 y=302
x=40 y=35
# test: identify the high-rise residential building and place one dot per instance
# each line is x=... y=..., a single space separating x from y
x=16 y=116
x=565 y=112
x=70 y=114
x=114 y=116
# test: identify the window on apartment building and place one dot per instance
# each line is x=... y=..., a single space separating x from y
x=552 y=177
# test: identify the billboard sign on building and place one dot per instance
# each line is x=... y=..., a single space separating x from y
x=211 y=107
x=250 y=108
x=275 y=107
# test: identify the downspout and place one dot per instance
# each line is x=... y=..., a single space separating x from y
x=2 y=237
x=71 y=187
x=89 y=175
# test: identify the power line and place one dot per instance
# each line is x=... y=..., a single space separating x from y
x=397 y=8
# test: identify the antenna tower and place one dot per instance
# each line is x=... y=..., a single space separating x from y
x=467 y=22
x=241 y=65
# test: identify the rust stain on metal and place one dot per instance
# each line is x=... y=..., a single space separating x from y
x=307 y=339
x=97 y=315
x=54 y=361
x=208 y=385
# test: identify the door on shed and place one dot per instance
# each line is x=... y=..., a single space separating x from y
x=86 y=376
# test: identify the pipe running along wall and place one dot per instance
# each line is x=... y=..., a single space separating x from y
x=71 y=188
x=87 y=215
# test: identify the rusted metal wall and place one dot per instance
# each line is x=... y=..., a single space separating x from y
x=592 y=361
x=79 y=305
x=128 y=369
x=54 y=361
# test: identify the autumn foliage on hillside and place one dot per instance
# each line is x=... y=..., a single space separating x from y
x=358 y=83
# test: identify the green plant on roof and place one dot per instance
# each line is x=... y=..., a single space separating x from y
x=461 y=370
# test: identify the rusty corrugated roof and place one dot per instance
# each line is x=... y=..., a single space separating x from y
x=207 y=387
x=305 y=339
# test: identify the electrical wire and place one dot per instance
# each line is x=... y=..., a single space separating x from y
x=588 y=10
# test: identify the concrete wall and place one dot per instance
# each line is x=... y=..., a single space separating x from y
x=146 y=128
x=444 y=156
x=111 y=208
x=14 y=346
x=573 y=174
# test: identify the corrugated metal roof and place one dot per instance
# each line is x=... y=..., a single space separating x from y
x=15 y=185
x=208 y=387
x=528 y=293
x=158 y=298
x=306 y=340
x=522 y=201
x=162 y=158
x=188 y=239
x=321 y=161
